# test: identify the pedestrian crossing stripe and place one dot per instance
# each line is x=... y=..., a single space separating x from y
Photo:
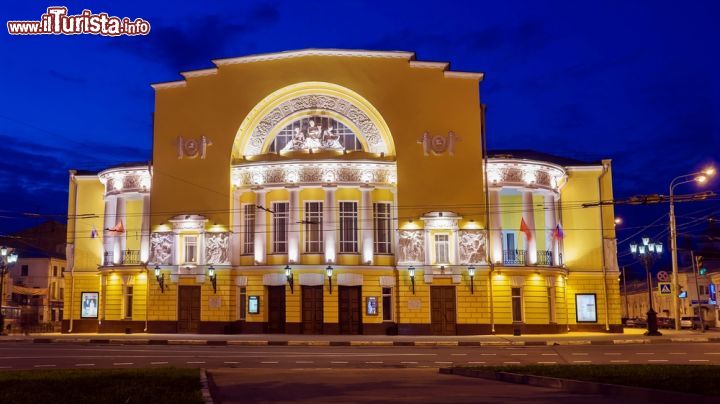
x=665 y=289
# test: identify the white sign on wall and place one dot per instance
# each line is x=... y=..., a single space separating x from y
x=586 y=308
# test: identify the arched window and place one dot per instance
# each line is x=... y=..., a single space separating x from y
x=317 y=133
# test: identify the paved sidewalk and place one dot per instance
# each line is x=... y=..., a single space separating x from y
x=631 y=336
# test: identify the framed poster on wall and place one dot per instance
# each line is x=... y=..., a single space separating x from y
x=89 y=304
x=585 y=308
x=253 y=304
x=371 y=308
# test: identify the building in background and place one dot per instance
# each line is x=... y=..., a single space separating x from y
x=337 y=191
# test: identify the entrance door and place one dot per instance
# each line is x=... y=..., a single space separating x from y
x=350 y=309
x=312 y=309
x=188 y=309
x=442 y=310
x=276 y=309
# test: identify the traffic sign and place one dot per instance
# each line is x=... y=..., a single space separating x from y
x=664 y=288
x=663 y=276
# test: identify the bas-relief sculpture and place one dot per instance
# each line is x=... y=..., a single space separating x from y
x=314 y=136
x=472 y=247
x=161 y=248
x=411 y=247
x=217 y=248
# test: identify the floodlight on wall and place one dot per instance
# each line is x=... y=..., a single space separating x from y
x=471 y=273
x=411 y=272
x=289 y=277
x=329 y=272
x=160 y=278
x=213 y=278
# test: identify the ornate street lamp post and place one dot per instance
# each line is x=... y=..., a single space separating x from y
x=7 y=258
x=648 y=252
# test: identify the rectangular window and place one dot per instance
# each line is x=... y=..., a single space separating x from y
x=242 y=298
x=387 y=304
x=24 y=270
x=517 y=304
x=313 y=227
x=55 y=273
x=551 y=304
x=62 y=271
x=442 y=249
x=348 y=227
x=382 y=227
x=128 y=301
x=249 y=229
x=280 y=226
x=191 y=249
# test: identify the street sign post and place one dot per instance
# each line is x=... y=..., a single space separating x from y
x=663 y=276
x=665 y=288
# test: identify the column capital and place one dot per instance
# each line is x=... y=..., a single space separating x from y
x=259 y=190
x=330 y=187
x=366 y=187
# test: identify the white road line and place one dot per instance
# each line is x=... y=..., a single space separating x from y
x=84 y=364
x=549 y=354
x=44 y=366
x=304 y=362
x=612 y=353
x=409 y=363
x=657 y=360
x=547 y=363
x=476 y=363
x=620 y=361
x=161 y=363
x=712 y=353
x=487 y=354
x=269 y=362
x=579 y=354
x=227 y=363
x=678 y=353
x=698 y=360
x=644 y=353
x=122 y=363
x=199 y=362
x=582 y=361
x=511 y=363
x=518 y=354
x=458 y=354
x=374 y=363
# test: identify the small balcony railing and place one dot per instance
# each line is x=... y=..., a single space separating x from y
x=545 y=257
x=514 y=257
x=127 y=257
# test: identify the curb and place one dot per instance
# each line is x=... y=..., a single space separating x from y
x=204 y=388
x=581 y=387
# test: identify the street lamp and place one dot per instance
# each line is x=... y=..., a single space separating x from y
x=7 y=258
x=213 y=278
x=160 y=278
x=698 y=177
x=289 y=277
x=411 y=272
x=471 y=273
x=648 y=252
x=328 y=272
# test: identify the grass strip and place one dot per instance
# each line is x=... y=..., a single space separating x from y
x=126 y=386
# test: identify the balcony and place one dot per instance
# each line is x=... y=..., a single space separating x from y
x=127 y=257
x=514 y=257
x=519 y=258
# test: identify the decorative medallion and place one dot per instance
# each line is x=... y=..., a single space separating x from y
x=192 y=148
x=439 y=144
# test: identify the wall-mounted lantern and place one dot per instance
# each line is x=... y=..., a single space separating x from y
x=289 y=276
x=329 y=272
x=411 y=272
x=213 y=277
x=160 y=278
x=471 y=273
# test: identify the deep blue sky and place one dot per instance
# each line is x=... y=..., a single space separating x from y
x=636 y=83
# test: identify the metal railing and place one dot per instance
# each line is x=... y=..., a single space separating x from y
x=514 y=257
x=520 y=257
x=127 y=257
x=544 y=257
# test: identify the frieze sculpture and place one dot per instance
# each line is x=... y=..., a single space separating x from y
x=314 y=136
x=411 y=246
x=472 y=247
x=438 y=144
x=216 y=248
x=161 y=248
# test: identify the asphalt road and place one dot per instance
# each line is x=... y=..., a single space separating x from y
x=34 y=356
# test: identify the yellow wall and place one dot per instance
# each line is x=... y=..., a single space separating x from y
x=582 y=245
x=88 y=251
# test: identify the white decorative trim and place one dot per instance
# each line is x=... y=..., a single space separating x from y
x=124 y=180
x=429 y=65
x=387 y=281
x=311 y=279
x=464 y=75
x=524 y=173
x=169 y=84
x=241 y=280
x=199 y=73
x=428 y=279
x=189 y=222
x=293 y=173
x=517 y=281
x=315 y=52
x=441 y=220
x=349 y=279
x=584 y=168
x=277 y=279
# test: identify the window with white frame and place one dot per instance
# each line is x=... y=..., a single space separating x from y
x=442 y=249
x=313 y=227
x=280 y=226
x=516 y=295
x=348 y=227
x=382 y=228
x=249 y=229
x=387 y=304
x=128 y=301
x=191 y=249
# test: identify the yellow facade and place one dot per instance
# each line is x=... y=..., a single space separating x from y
x=341 y=192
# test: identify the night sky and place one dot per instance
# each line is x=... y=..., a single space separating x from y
x=636 y=83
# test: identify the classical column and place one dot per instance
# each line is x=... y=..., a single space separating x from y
x=367 y=229
x=176 y=247
x=294 y=225
x=236 y=229
x=550 y=224
x=120 y=238
x=145 y=229
x=496 y=242
x=260 y=226
x=330 y=224
x=109 y=223
x=528 y=214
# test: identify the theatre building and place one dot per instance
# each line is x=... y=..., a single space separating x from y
x=338 y=192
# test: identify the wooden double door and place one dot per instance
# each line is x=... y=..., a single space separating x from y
x=188 y=309
x=350 y=309
x=312 y=309
x=276 y=309
x=443 y=310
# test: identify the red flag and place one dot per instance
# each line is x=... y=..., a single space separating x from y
x=525 y=229
x=558 y=232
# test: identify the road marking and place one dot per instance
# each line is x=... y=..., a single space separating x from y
x=644 y=353
x=374 y=363
x=549 y=354
x=518 y=354
x=698 y=360
x=407 y=363
x=620 y=361
x=678 y=353
x=582 y=361
x=341 y=362
x=44 y=366
x=547 y=363
x=227 y=363
x=612 y=353
x=487 y=354
x=579 y=354
x=269 y=362
x=657 y=360
x=122 y=363
x=442 y=362
x=712 y=353
x=5 y=367
x=199 y=362
x=304 y=362
x=458 y=354
x=161 y=363
x=511 y=363
x=84 y=364
x=476 y=363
